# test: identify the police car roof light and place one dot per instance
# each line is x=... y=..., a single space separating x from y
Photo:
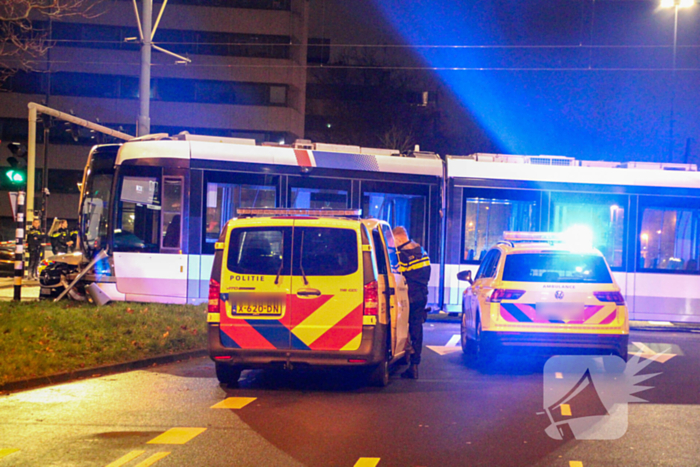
x=283 y=212
x=533 y=236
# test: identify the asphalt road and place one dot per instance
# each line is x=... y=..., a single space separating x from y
x=454 y=415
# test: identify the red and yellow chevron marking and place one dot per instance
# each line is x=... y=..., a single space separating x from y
x=326 y=322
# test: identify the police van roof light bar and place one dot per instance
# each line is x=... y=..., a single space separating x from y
x=283 y=212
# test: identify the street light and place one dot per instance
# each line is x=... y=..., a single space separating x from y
x=676 y=5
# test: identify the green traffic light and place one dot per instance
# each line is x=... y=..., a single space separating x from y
x=15 y=176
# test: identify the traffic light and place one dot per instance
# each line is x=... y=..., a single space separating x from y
x=15 y=175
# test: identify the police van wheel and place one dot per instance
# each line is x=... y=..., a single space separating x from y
x=228 y=374
x=379 y=375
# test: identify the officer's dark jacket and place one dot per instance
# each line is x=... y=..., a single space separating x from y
x=35 y=237
x=414 y=264
x=59 y=241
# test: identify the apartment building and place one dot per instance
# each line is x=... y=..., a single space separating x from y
x=247 y=79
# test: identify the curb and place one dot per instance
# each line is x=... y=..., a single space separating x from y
x=99 y=371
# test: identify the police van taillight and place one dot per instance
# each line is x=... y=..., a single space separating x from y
x=214 y=297
x=371 y=302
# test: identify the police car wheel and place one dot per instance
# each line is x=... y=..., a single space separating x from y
x=482 y=356
x=227 y=374
x=467 y=346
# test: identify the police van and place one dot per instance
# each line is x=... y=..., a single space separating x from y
x=295 y=288
x=549 y=293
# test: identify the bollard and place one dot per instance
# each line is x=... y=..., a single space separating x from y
x=19 y=247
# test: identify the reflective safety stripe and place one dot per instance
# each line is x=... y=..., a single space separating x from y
x=213 y=317
x=527 y=313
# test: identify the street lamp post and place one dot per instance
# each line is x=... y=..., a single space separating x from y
x=676 y=5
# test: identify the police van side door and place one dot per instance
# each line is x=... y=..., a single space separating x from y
x=398 y=302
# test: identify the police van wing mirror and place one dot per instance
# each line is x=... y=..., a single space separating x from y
x=465 y=276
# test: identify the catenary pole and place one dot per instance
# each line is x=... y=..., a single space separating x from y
x=144 y=122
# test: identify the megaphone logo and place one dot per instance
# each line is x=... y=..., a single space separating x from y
x=586 y=396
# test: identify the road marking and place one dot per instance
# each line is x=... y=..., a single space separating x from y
x=125 y=459
x=662 y=355
x=6 y=452
x=233 y=403
x=367 y=462
x=179 y=435
x=153 y=459
x=565 y=410
x=443 y=349
x=454 y=340
x=575 y=464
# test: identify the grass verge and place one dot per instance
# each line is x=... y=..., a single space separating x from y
x=45 y=338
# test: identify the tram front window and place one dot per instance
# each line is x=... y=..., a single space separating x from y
x=138 y=215
x=97 y=195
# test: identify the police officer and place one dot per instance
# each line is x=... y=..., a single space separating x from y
x=414 y=264
x=35 y=240
x=60 y=239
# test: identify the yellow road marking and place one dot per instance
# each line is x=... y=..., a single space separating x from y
x=6 y=452
x=566 y=410
x=179 y=435
x=153 y=459
x=233 y=403
x=125 y=459
x=575 y=464
x=367 y=462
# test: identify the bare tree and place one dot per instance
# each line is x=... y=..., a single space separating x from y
x=21 y=45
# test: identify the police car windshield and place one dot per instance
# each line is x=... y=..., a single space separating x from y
x=556 y=267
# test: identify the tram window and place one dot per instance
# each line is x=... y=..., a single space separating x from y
x=315 y=198
x=138 y=215
x=172 y=212
x=223 y=199
x=487 y=218
x=669 y=239
x=397 y=209
x=603 y=215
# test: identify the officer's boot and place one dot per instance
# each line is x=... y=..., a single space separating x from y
x=411 y=373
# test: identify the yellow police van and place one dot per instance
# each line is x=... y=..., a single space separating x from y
x=541 y=292
x=295 y=288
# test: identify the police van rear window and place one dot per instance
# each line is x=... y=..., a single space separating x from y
x=315 y=251
x=556 y=267
x=325 y=251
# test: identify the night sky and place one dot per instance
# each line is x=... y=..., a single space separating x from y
x=586 y=79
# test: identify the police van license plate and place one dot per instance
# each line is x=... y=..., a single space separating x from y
x=258 y=306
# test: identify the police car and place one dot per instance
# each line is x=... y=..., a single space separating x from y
x=296 y=288
x=539 y=292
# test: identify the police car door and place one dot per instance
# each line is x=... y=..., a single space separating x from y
x=326 y=303
x=398 y=300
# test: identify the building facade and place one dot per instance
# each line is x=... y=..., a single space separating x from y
x=247 y=79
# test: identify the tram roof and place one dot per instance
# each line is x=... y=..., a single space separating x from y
x=305 y=155
x=557 y=169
